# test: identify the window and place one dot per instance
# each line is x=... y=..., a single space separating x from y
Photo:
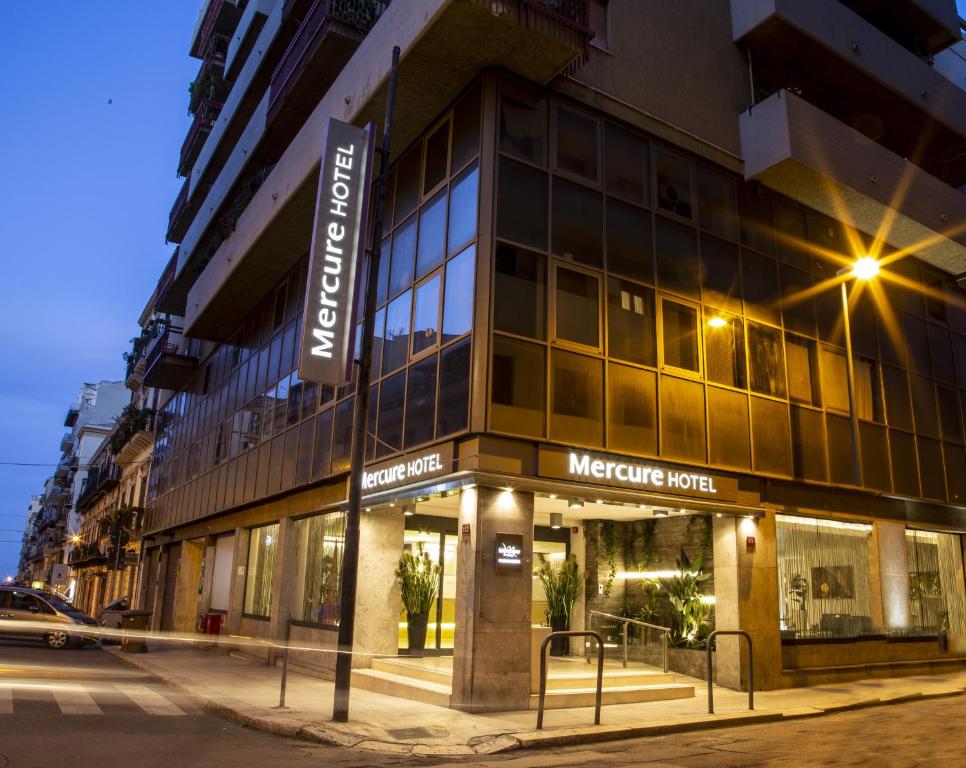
x=679 y=335
x=759 y=277
x=462 y=209
x=392 y=395
x=898 y=406
x=630 y=322
x=823 y=578
x=578 y=228
x=678 y=268
x=803 y=379
x=437 y=151
x=576 y=143
x=523 y=123
x=629 y=248
x=396 y=345
x=597 y=21
x=520 y=292
x=765 y=360
x=808 y=444
x=720 y=274
x=407 y=184
x=426 y=315
x=798 y=310
x=769 y=425
x=576 y=416
x=724 y=349
x=521 y=204
x=835 y=391
x=949 y=418
x=577 y=307
x=729 y=439
x=454 y=388
x=421 y=402
x=432 y=235
x=518 y=391
x=403 y=257
x=935 y=584
x=260 y=574
x=466 y=128
x=631 y=410
x=868 y=403
x=673 y=183
x=924 y=406
x=626 y=165
x=682 y=419
x=319 y=544
x=458 y=302
x=718 y=212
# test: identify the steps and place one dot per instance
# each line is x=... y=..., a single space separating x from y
x=573 y=684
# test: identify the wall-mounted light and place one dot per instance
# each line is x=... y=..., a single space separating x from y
x=556 y=520
x=576 y=504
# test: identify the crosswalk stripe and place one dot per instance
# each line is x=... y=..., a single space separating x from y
x=74 y=700
x=150 y=701
x=6 y=701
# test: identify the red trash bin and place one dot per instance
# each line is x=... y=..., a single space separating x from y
x=213 y=623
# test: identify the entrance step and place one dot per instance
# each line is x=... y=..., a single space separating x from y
x=613 y=678
x=584 y=697
x=402 y=687
x=414 y=669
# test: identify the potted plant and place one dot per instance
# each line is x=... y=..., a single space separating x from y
x=419 y=578
x=684 y=592
x=562 y=586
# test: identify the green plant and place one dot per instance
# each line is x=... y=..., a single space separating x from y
x=561 y=585
x=419 y=578
x=684 y=593
x=609 y=536
x=798 y=590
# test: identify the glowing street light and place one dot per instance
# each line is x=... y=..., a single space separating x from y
x=75 y=538
x=865 y=268
x=717 y=322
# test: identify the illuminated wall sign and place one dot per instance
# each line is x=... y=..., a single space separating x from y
x=509 y=551
x=335 y=259
x=408 y=469
x=624 y=472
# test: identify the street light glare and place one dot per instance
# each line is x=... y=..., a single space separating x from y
x=865 y=268
x=717 y=322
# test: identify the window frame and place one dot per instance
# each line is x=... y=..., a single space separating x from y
x=663 y=366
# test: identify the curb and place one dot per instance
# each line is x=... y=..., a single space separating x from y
x=505 y=742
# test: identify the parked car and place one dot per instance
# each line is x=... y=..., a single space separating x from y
x=33 y=614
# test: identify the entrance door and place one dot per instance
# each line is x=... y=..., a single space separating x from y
x=170 y=585
x=436 y=536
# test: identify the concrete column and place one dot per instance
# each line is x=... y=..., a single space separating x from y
x=378 y=600
x=893 y=572
x=160 y=586
x=236 y=592
x=283 y=583
x=746 y=597
x=951 y=572
x=491 y=661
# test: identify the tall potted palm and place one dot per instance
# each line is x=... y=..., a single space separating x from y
x=419 y=581
x=562 y=586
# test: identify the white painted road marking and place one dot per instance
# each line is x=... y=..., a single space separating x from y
x=152 y=702
x=74 y=700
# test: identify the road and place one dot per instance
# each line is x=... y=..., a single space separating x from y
x=81 y=708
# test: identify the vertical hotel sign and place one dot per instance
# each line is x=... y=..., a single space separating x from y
x=335 y=260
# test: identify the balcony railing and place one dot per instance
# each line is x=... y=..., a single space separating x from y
x=205 y=117
x=166 y=366
x=177 y=227
x=349 y=20
x=132 y=421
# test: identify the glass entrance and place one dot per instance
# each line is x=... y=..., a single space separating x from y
x=436 y=536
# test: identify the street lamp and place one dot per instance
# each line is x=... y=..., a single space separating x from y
x=864 y=268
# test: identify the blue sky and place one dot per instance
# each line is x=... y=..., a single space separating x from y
x=94 y=111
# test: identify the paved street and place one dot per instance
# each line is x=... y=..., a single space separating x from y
x=83 y=708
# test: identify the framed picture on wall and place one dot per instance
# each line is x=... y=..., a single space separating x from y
x=831 y=582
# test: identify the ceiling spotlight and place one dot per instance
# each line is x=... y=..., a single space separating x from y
x=642 y=506
x=552 y=496
x=576 y=504
x=408 y=511
x=718 y=514
x=422 y=498
x=660 y=513
x=368 y=509
x=556 y=520
x=600 y=501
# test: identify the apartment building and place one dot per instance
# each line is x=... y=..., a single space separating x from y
x=610 y=325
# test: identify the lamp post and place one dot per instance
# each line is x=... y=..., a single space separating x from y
x=864 y=268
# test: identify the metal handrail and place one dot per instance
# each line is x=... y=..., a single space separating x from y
x=543 y=669
x=751 y=667
x=666 y=631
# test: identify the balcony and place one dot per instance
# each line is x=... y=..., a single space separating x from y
x=921 y=26
x=133 y=435
x=205 y=116
x=217 y=18
x=166 y=367
x=86 y=555
x=797 y=149
x=67 y=442
x=328 y=36
x=180 y=216
x=99 y=480
x=168 y=298
x=444 y=49
x=837 y=60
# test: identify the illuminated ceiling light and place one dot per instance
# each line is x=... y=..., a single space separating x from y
x=392 y=504
x=643 y=506
x=408 y=511
x=368 y=509
x=717 y=322
x=718 y=514
x=422 y=498
x=576 y=504
x=556 y=520
x=552 y=496
x=660 y=513
x=865 y=268
x=600 y=501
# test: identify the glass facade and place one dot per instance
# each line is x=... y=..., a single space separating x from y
x=260 y=574
x=626 y=267
x=319 y=545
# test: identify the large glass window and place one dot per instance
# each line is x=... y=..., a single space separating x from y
x=389 y=430
x=679 y=335
x=576 y=416
x=937 y=603
x=578 y=307
x=523 y=123
x=520 y=292
x=319 y=543
x=823 y=578
x=724 y=349
x=432 y=235
x=576 y=143
x=803 y=379
x=678 y=267
x=630 y=322
x=626 y=164
x=682 y=419
x=454 y=388
x=629 y=248
x=521 y=204
x=396 y=346
x=421 y=402
x=458 y=304
x=462 y=209
x=673 y=183
x=260 y=574
x=426 y=315
x=717 y=209
x=631 y=409
x=578 y=223
x=766 y=361
x=518 y=391
x=403 y=256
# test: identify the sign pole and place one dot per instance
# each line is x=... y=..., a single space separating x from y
x=350 y=554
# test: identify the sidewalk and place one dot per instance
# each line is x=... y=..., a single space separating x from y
x=248 y=692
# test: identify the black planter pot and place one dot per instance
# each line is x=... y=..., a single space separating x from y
x=559 y=646
x=416 y=631
x=943 y=641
